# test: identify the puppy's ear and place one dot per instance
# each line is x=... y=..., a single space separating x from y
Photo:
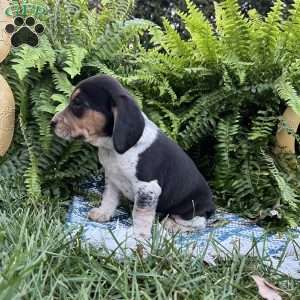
x=129 y=123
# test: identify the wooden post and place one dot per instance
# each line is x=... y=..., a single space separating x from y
x=7 y=102
x=285 y=142
x=5 y=44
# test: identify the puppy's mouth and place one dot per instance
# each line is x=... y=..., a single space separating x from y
x=79 y=138
x=69 y=137
x=67 y=134
x=63 y=133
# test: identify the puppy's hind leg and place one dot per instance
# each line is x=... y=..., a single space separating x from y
x=175 y=223
x=146 y=198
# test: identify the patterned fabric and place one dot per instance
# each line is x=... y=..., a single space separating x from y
x=225 y=232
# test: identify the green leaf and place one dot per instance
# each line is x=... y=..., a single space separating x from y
x=75 y=56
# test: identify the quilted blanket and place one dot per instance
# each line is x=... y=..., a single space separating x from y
x=225 y=233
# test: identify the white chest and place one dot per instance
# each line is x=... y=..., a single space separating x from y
x=119 y=170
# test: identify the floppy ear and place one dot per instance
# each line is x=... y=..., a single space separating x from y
x=129 y=123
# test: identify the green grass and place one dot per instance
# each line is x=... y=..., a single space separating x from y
x=38 y=262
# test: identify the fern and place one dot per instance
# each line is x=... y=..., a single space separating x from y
x=75 y=56
x=42 y=112
x=226 y=135
x=218 y=91
x=118 y=36
x=272 y=31
x=123 y=9
x=32 y=176
x=292 y=30
x=263 y=126
x=171 y=41
x=244 y=186
x=28 y=57
x=288 y=93
x=43 y=78
x=62 y=84
x=266 y=37
x=233 y=29
x=289 y=196
x=202 y=34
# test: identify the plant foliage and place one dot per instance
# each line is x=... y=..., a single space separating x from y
x=229 y=81
x=77 y=43
x=219 y=93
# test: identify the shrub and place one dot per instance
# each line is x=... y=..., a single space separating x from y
x=78 y=43
x=225 y=88
x=155 y=10
x=219 y=93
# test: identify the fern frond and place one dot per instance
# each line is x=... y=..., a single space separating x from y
x=28 y=57
x=200 y=120
x=75 y=56
x=292 y=30
x=288 y=93
x=115 y=11
x=263 y=126
x=21 y=92
x=232 y=29
x=202 y=34
x=172 y=42
x=226 y=133
x=62 y=83
x=243 y=185
x=31 y=175
x=266 y=37
x=289 y=196
x=15 y=164
x=123 y=9
x=61 y=101
x=43 y=111
x=118 y=36
x=156 y=63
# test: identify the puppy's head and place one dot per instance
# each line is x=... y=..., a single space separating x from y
x=100 y=107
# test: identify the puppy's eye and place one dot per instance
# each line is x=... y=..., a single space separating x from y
x=77 y=108
x=77 y=102
x=80 y=103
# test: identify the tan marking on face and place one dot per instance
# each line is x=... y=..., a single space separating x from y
x=90 y=125
x=75 y=94
x=92 y=122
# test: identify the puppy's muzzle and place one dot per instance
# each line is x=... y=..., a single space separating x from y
x=53 y=123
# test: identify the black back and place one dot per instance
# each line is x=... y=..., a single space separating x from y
x=185 y=192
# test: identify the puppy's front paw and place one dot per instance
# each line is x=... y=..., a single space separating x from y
x=143 y=244
x=141 y=235
x=99 y=215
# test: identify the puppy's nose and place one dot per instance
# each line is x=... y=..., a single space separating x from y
x=53 y=124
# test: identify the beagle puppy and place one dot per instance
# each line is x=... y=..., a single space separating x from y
x=140 y=162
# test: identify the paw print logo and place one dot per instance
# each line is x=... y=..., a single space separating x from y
x=24 y=31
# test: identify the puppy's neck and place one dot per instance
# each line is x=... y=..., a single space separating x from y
x=104 y=142
x=148 y=136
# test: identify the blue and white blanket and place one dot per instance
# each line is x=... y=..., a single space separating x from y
x=225 y=233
